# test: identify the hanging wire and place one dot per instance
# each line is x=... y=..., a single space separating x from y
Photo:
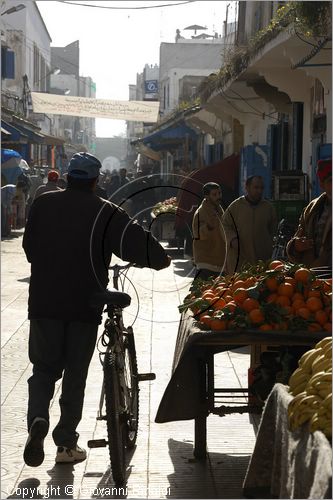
x=126 y=8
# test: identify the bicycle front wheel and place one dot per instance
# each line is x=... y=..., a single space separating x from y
x=131 y=380
x=115 y=418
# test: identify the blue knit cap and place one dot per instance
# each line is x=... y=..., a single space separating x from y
x=84 y=166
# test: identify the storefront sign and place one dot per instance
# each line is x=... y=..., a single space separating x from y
x=151 y=86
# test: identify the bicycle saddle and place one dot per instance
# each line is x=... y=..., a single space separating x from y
x=111 y=296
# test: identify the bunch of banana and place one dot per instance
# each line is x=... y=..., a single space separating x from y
x=302 y=408
x=320 y=384
x=298 y=381
x=321 y=420
x=311 y=384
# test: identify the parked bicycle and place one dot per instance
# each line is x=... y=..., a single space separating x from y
x=285 y=232
x=119 y=401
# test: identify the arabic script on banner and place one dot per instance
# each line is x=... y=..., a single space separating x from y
x=139 y=111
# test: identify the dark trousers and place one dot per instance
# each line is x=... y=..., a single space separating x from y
x=60 y=349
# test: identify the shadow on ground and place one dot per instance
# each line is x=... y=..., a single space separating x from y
x=219 y=476
x=183 y=267
x=25 y=280
x=13 y=235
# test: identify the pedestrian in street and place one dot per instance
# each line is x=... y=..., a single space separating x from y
x=312 y=243
x=51 y=185
x=7 y=195
x=81 y=231
x=209 y=244
x=99 y=190
x=138 y=191
x=113 y=184
x=250 y=223
x=19 y=202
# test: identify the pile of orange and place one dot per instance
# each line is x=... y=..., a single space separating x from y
x=282 y=297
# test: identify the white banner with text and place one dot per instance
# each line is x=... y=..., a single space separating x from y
x=137 y=111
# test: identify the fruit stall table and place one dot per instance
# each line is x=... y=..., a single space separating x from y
x=190 y=393
x=284 y=463
x=163 y=227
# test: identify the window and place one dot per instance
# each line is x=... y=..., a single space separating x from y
x=7 y=63
x=36 y=65
x=43 y=73
x=257 y=19
x=168 y=96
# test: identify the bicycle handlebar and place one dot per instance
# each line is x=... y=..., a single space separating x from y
x=118 y=267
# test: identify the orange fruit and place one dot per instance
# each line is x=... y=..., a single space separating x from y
x=290 y=280
x=228 y=298
x=297 y=304
x=208 y=294
x=314 y=293
x=303 y=312
x=272 y=284
x=314 y=304
x=266 y=327
x=250 y=304
x=315 y=327
x=256 y=316
x=302 y=275
x=283 y=300
x=212 y=300
x=321 y=317
x=206 y=319
x=297 y=296
x=327 y=327
x=274 y=264
x=285 y=289
x=240 y=295
x=231 y=306
x=219 y=303
x=237 y=284
x=249 y=282
x=218 y=324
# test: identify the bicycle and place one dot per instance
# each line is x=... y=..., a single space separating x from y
x=119 y=400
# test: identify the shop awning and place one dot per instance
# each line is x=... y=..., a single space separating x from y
x=169 y=136
x=4 y=131
x=51 y=140
x=33 y=136
x=149 y=153
x=16 y=135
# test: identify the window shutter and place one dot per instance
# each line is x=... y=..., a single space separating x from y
x=10 y=64
x=3 y=62
x=7 y=63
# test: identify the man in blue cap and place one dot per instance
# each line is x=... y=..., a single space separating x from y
x=80 y=231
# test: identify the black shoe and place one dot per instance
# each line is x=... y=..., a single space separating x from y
x=34 y=449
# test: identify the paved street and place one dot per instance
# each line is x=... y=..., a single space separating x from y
x=162 y=464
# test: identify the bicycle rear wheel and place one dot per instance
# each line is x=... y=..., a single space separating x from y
x=131 y=380
x=115 y=418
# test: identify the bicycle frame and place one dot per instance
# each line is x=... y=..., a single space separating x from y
x=115 y=331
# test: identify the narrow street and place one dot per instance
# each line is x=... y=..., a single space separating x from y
x=162 y=465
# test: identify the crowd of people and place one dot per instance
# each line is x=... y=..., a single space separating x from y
x=223 y=241
x=135 y=192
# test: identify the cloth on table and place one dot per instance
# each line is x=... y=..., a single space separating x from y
x=183 y=398
x=287 y=464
